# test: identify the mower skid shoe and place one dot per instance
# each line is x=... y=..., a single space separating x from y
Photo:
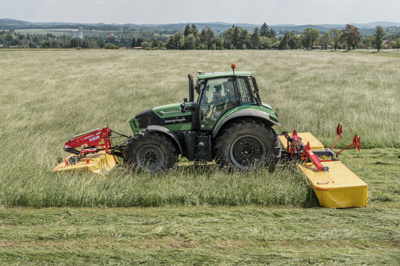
x=100 y=163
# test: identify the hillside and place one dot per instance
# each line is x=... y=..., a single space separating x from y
x=217 y=27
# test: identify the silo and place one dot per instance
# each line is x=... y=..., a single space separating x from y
x=80 y=33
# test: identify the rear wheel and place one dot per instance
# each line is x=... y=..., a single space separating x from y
x=150 y=151
x=247 y=144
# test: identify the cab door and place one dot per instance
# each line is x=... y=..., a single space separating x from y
x=218 y=96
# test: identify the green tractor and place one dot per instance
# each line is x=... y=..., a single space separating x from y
x=227 y=123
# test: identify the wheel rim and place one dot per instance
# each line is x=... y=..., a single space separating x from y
x=247 y=152
x=150 y=158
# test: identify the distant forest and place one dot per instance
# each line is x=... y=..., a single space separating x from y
x=200 y=36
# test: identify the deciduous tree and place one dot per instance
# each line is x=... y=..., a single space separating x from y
x=146 y=45
x=379 y=33
x=335 y=37
x=265 y=43
x=190 y=42
x=176 y=41
x=326 y=40
x=310 y=35
x=350 y=35
x=289 y=41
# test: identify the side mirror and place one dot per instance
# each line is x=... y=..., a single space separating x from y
x=198 y=86
x=190 y=108
x=185 y=100
x=182 y=108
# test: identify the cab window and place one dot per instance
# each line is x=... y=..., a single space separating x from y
x=245 y=94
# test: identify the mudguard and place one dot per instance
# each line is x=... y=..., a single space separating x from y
x=244 y=113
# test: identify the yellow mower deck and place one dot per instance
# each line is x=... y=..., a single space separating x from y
x=99 y=162
x=337 y=188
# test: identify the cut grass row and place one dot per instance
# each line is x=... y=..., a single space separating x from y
x=185 y=185
x=200 y=235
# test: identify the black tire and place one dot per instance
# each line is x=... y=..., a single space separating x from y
x=246 y=145
x=150 y=152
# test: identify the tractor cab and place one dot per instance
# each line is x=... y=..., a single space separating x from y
x=219 y=93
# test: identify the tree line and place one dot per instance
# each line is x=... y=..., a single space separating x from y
x=233 y=38
x=191 y=38
x=15 y=39
x=265 y=38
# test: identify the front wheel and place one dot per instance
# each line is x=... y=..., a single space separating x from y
x=150 y=151
x=247 y=144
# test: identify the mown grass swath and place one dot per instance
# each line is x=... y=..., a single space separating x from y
x=186 y=185
x=228 y=235
x=48 y=96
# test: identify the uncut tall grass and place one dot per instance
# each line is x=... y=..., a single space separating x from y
x=47 y=96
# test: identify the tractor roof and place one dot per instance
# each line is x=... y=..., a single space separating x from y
x=224 y=74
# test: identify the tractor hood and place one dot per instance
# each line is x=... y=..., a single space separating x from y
x=168 y=116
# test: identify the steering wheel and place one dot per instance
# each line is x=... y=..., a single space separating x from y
x=209 y=112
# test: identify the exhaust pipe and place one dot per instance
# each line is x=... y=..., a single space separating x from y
x=191 y=88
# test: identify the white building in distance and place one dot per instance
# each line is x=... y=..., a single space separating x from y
x=77 y=33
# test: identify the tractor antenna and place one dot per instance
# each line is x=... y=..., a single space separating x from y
x=233 y=66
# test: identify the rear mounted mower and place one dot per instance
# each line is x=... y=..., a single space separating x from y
x=335 y=185
x=295 y=149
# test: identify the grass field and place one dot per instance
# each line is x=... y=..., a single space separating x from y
x=193 y=214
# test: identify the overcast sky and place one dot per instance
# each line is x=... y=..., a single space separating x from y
x=185 y=11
